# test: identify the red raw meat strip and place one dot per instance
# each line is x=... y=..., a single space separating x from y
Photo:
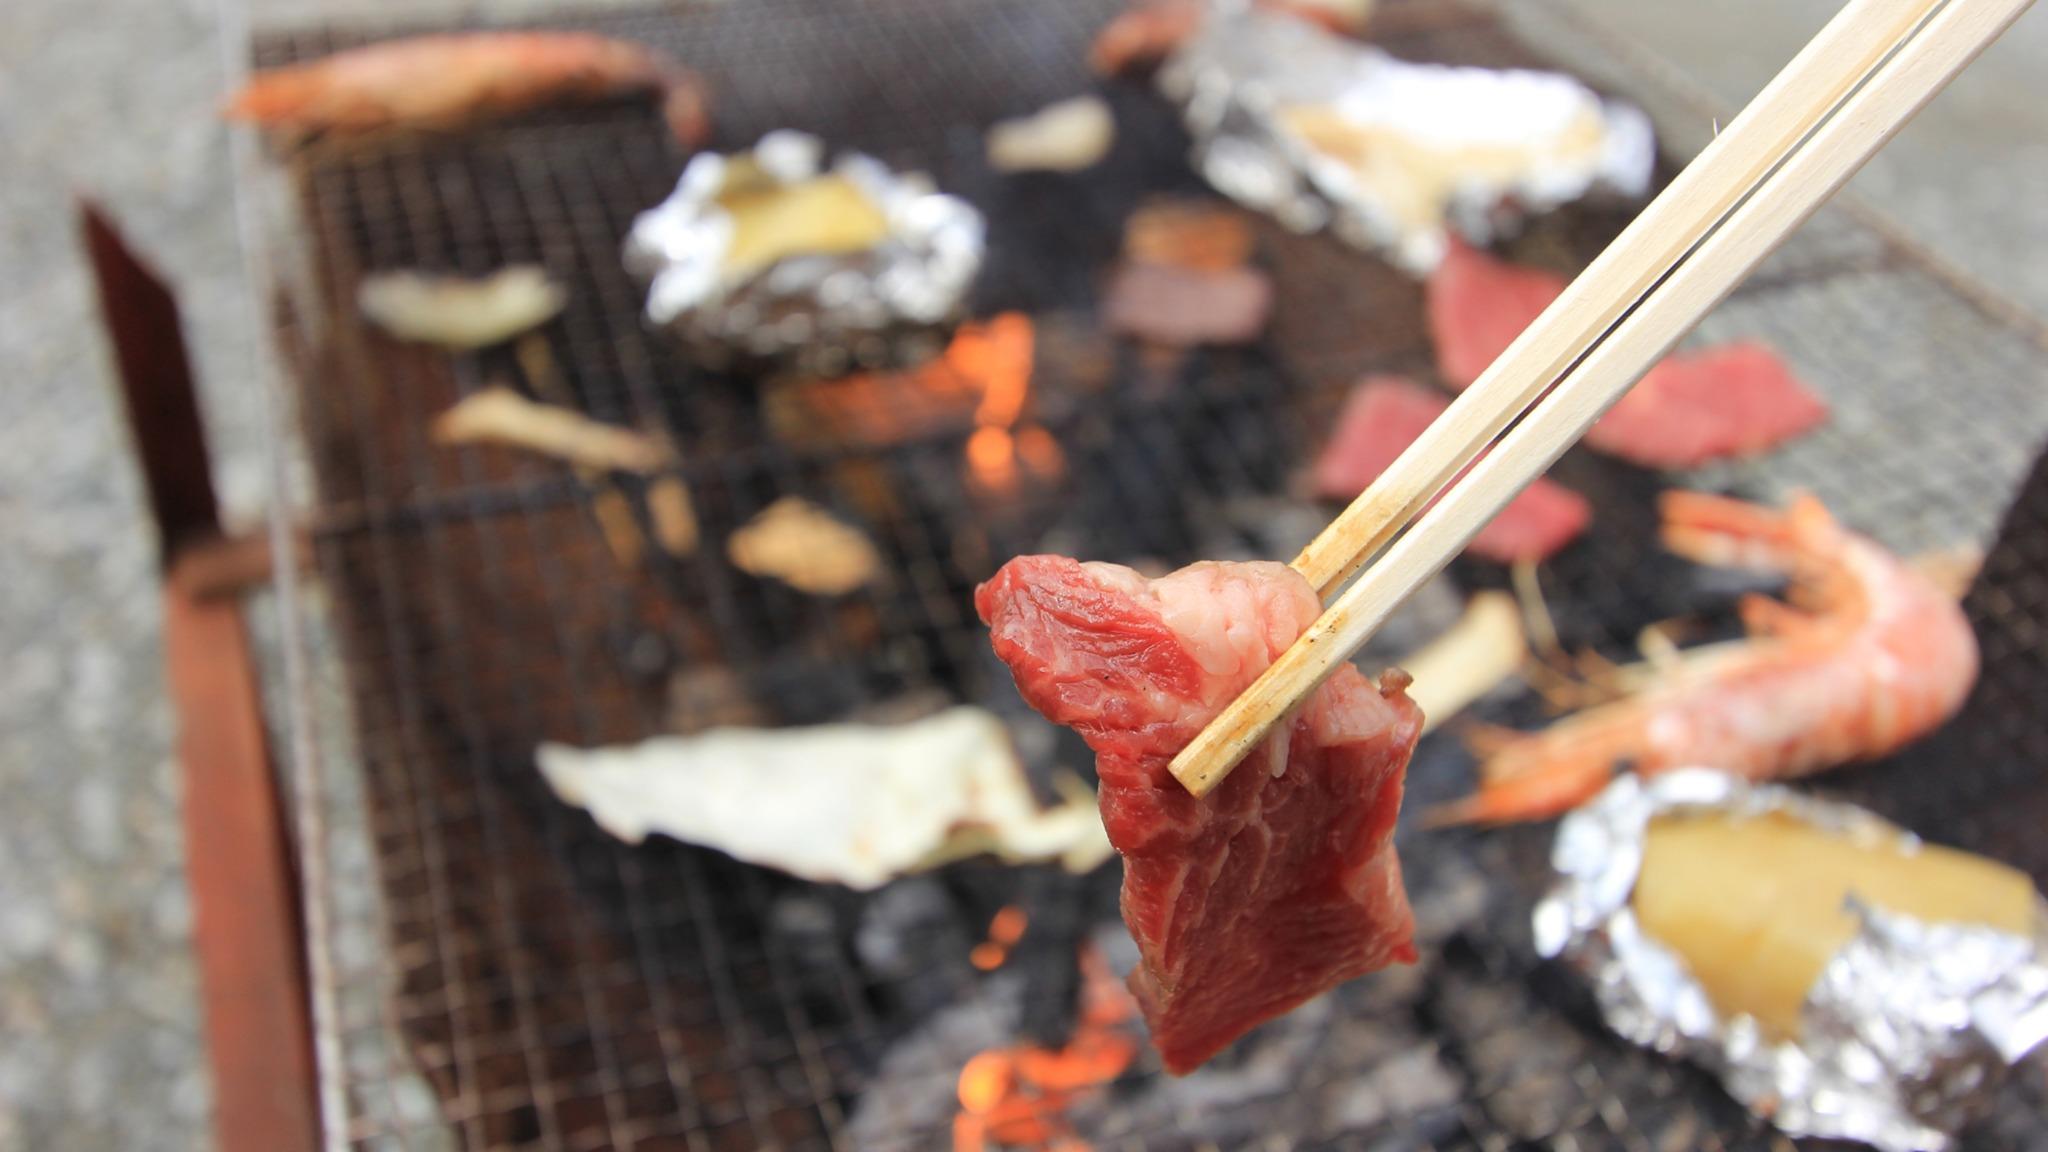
x=1734 y=400
x=1283 y=881
x=1692 y=408
x=1477 y=306
x=1384 y=415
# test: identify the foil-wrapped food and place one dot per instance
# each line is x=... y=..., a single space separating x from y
x=1842 y=979
x=767 y=256
x=1325 y=132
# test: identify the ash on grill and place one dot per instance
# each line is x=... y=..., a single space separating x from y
x=1365 y=1051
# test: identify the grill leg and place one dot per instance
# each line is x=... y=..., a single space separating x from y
x=237 y=856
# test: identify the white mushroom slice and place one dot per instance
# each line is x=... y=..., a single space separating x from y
x=1064 y=137
x=1478 y=653
x=805 y=547
x=851 y=804
x=460 y=313
x=499 y=415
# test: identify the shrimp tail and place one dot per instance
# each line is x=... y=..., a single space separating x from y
x=1141 y=38
x=1606 y=734
x=686 y=107
x=1552 y=792
x=1765 y=617
x=276 y=97
x=1729 y=533
x=1548 y=773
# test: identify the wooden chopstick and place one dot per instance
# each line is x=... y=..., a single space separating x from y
x=1812 y=85
x=1934 y=48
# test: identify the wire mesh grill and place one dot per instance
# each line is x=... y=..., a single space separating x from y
x=556 y=989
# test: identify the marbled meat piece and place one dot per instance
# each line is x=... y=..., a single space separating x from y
x=1283 y=881
x=1184 y=307
x=1178 y=232
x=1690 y=409
x=1384 y=415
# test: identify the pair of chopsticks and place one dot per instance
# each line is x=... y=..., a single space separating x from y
x=1854 y=86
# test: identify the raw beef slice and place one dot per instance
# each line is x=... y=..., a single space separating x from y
x=1477 y=306
x=1186 y=307
x=1384 y=415
x=1283 y=881
x=1690 y=409
x=1697 y=407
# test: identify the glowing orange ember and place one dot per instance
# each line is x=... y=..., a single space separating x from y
x=968 y=1133
x=1003 y=932
x=1042 y=455
x=985 y=1082
x=1104 y=999
x=1086 y=1061
x=1017 y=1097
x=1007 y=927
x=992 y=459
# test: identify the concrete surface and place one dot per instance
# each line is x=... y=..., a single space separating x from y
x=1969 y=176
x=99 y=1038
x=99 y=1033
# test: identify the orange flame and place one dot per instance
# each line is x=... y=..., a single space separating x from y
x=988 y=365
x=985 y=370
x=1018 y=1096
x=999 y=357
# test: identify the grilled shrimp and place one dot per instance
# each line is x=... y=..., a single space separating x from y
x=1144 y=35
x=456 y=79
x=1874 y=656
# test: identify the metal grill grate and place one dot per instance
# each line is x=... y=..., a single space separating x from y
x=556 y=989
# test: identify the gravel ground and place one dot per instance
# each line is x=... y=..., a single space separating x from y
x=99 y=1036
x=99 y=1032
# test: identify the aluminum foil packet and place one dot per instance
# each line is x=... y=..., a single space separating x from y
x=880 y=287
x=1907 y=1033
x=1325 y=132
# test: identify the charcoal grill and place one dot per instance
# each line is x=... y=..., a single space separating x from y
x=492 y=971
